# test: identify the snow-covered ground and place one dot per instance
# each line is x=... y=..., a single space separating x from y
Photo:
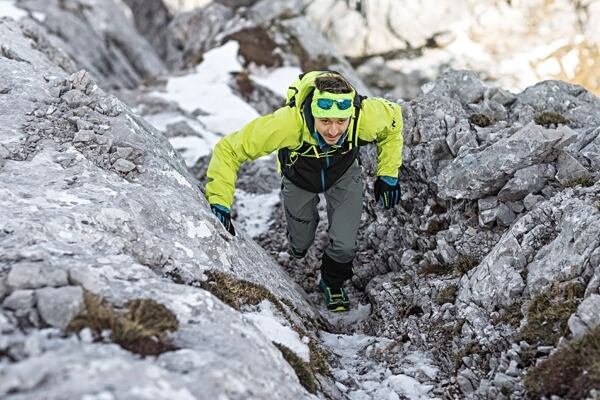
x=363 y=376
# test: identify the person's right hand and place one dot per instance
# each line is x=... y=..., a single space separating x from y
x=387 y=189
x=224 y=216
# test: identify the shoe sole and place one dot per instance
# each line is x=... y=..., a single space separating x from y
x=339 y=309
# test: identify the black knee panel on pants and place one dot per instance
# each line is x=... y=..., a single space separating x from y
x=335 y=273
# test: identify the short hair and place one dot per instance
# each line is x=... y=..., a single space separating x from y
x=332 y=83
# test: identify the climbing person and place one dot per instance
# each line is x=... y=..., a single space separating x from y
x=317 y=135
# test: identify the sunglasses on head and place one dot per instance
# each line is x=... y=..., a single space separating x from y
x=326 y=104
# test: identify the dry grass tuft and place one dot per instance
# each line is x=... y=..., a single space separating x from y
x=140 y=328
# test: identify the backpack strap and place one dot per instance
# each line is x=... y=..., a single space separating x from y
x=357 y=107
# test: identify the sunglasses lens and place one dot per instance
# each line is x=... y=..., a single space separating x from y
x=344 y=104
x=325 y=104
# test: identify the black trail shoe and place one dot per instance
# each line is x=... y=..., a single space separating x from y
x=335 y=299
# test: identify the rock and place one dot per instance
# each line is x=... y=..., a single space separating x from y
x=487 y=203
x=504 y=381
x=569 y=169
x=5 y=325
x=587 y=316
x=123 y=165
x=19 y=300
x=4 y=290
x=528 y=180
x=502 y=215
x=84 y=136
x=31 y=275
x=513 y=369
x=124 y=152
x=57 y=306
x=464 y=383
x=531 y=200
x=475 y=175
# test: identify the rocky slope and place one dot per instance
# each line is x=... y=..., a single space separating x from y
x=113 y=269
x=95 y=204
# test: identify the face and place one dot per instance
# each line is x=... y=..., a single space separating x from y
x=331 y=129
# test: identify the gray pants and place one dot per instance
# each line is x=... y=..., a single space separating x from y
x=344 y=207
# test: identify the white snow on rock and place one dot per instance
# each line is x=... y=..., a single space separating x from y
x=207 y=90
x=269 y=324
x=277 y=80
x=8 y=9
x=374 y=379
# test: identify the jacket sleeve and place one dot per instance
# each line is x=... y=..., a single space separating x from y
x=260 y=137
x=381 y=121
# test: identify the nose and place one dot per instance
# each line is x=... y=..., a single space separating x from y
x=334 y=131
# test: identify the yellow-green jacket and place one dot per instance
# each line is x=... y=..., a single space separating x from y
x=288 y=130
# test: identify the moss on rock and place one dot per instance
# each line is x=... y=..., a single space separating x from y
x=238 y=292
x=547 y=316
x=550 y=118
x=481 y=120
x=141 y=327
x=447 y=294
x=302 y=369
x=571 y=372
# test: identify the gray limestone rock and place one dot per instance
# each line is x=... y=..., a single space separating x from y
x=65 y=207
x=20 y=300
x=31 y=275
x=587 y=316
x=123 y=165
x=569 y=169
x=531 y=200
x=487 y=203
x=476 y=175
x=84 y=136
x=529 y=180
x=5 y=325
x=57 y=306
x=501 y=214
x=98 y=37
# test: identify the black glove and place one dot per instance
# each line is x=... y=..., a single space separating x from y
x=388 y=189
x=224 y=216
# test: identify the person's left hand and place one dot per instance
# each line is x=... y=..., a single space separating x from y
x=387 y=191
x=224 y=216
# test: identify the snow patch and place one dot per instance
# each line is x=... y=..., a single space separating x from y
x=266 y=321
x=207 y=89
x=8 y=9
x=191 y=148
x=277 y=80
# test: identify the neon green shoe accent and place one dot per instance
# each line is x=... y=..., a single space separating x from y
x=337 y=301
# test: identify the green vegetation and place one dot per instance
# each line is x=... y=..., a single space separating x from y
x=447 y=294
x=571 y=372
x=550 y=118
x=238 y=292
x=481 y=120
x=436 y=269
x=547 y=316
x=467 y=350
x=303 y=371
x=140 y=328
x=464 y=264
x=510 y=315
x=584 y=181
